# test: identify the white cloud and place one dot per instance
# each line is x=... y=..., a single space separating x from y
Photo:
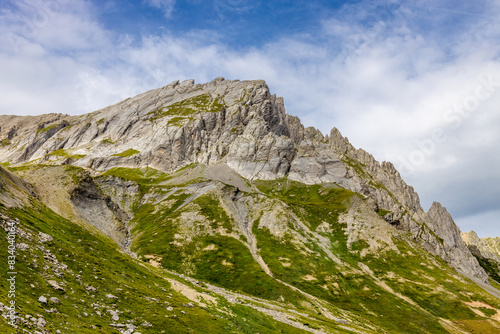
x=166 y=6
x=387 y=85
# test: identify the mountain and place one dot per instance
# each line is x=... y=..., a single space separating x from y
x=486 y=251
x=205 y=207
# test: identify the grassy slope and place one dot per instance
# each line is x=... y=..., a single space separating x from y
x=405 y=273
x=426 y=280
x=100 y=264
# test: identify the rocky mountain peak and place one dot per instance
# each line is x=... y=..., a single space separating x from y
x=238 y=124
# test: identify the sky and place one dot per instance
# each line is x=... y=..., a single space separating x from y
x=416 y=83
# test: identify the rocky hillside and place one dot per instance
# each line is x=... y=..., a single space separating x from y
x=273 y=227
x=487 y=252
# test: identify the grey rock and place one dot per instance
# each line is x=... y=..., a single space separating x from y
x=52 y=310
x=453 y=249
x=41 y=323
x=54 y=300
x=42 y=300
x=55 y=285
x=43 y=237
x=22 y=246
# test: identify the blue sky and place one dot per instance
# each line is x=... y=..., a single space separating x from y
x=413 y=82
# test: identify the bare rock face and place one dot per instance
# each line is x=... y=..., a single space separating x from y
x=234 y=123
x=451 y=247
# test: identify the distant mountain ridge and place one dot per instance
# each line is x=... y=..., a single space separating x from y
x=487 y=252
x=489 y=247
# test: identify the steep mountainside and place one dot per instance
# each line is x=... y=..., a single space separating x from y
x=487 y=252
x=273 y=227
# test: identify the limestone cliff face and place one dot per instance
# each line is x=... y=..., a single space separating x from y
x=238 y=124
x=450 y=245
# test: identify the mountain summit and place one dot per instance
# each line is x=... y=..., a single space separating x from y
x=217 y=183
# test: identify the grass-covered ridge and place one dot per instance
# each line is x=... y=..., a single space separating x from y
x=315 y=203
x=62 y=153
x=146 y=178
x=183 y=109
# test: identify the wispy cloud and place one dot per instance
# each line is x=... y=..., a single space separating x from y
x=166 y=6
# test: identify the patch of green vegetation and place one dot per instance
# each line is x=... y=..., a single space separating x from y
x=141 y=294
x=177 y=121
x=5 y=142
x=489 y=312
x=494 y=283
x=155 y=229
x=230 y=265
x=63 y=153
x=64 y=124
x=76 y=173
x=490 y=266
x=5 y=164
x=236 y=130
x=382 y=212
x=107 y=141
x=437 y=303
x=210 y=208
x=314 y=203
x=126 y=153
x=187 y=107
x=146 y=178
x=26 y=166
x=60 y=153
x=101 y=121
x=378 y=185
x=356 y=165
x=247 y=320
x=477 y=326
x=42 y=130
x=315 y=274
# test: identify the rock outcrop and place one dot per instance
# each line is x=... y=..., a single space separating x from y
x=239 y=124
x=487 y=247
